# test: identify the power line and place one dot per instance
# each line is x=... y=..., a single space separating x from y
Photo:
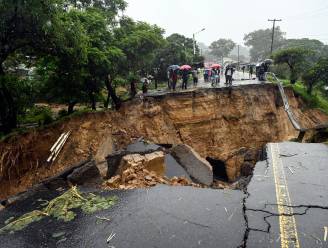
x=273 y=29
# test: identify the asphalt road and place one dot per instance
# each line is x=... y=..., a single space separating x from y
x=159 y=217
x=285 y=205
x=239 y=79
x=295 y=176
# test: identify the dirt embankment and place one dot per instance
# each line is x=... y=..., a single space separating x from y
x=215 y=122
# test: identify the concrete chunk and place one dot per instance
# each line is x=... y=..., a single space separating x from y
x=85 y=174
x=197 y=167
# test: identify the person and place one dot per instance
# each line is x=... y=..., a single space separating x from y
x=174 y=79
x=251 y=71
x=185 y=77
x=169 y=75
x=213 y=73
x=195 y=76
x=217 y=76
x=228 y=74
x=206 y=75
x=262 y=71
x=145 y=86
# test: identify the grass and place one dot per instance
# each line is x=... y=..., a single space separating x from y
x=315 y=100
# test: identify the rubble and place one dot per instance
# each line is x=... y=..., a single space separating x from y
x=143 y=171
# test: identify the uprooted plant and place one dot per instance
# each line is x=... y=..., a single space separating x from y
x=61 y=208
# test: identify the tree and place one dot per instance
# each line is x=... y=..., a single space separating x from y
x=316 y=74
x=55 y=28
x=305 y=43
x=222 y=47
x=23 y=25
x=296 y=60
x=176 y=50
x=138 y=41
x=260 y=42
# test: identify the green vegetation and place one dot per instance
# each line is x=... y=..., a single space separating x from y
x=315 y=100
x=304 y=63
x=296 y=60
x=259 y=42
x=61 y=208
x=40 y=115
x=70 y=52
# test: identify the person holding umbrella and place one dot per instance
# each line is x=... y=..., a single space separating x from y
x=185 y=75
x=174 y=79
x=216 y=74
x=170 y=72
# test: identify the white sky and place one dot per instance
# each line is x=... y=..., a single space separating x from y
x=232 y=19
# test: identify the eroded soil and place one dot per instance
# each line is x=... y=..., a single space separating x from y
x=215 y=122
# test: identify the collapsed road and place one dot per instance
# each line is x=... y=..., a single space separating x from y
x=218 y=123
x=279 y=202
x=285 y=205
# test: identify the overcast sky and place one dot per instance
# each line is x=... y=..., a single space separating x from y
x=232 y=19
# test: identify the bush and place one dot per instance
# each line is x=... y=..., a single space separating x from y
x=62 y=113
x=41 y=115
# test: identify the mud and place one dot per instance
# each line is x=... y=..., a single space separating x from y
x=217 y=123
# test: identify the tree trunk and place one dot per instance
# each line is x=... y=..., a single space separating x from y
x=293 y=75
x=92 y=100
x=8 y=109
x=70 y=108
x=112 y=93
x=309 y=88
x=133 y=89
x=107 y=101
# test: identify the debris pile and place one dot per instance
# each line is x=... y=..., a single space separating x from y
x=143 y=171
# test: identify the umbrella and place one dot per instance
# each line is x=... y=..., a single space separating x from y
x=185 y=67
x=268 y=61
x=173 y=67
x=216 y=66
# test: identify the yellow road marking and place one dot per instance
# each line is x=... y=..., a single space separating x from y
x=287 y=224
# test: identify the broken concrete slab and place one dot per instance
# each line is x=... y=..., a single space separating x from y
x=142 y=146
x=197 y=167
x=174 y=169
x=139 y=147
x=85 y=174
x=113 y=162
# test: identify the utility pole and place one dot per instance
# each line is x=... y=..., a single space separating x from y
x=194 y=43
x=273 y=29
x=238 y=58
x=194 y=39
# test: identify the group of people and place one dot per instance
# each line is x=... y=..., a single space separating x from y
x=175 y=74
x=250 y=70
x=212 y=75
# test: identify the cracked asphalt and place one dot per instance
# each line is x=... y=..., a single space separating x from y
x=305 y=167
x=190 y=217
